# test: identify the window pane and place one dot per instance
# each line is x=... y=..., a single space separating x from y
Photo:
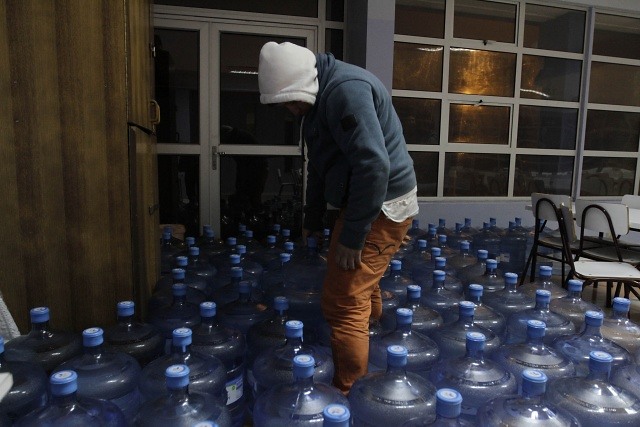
x=547 y=127
x=612 y=131
x=335 y=10
x=179 y=191
x=479 y=124
x=617 y=36
x=333 y=42
x=543 y=174
x=420 y=119
x=417 y=67
x=471 y=174
x=554 y=28
x=485 y=20
x=607 y=176
x=614 y=84
x=308 y=8
x=426 y=167
x=177 y=68
x=424 y=18
x=550 y=78
x=259 y=191
x=481 y=72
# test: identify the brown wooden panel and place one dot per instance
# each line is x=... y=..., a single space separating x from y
x=141 y=77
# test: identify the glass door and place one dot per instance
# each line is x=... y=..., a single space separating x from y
x=223 y=158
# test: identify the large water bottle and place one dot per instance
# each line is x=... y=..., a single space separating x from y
x=269 y=256
x=252 y=269
x=207 y=373
x=66 y=408
x=573 y=306
x=488 y=240
x=464 y=258
x=526 y=409
x=491 y=280
x=424 y=318
x=43 y=345
x=418 y=256
x=397 y=280
x=180 y=406
x=544 y=281
x=228 y=345
x=168 y=251
x=478 y=380
x=200 y=266
x=226 y=270
x=163 y=292
x=448 y=410
x=628 y=378
x=273 y=366
x=468 y=274
x=107 y=375
x=579 y=346
x=210 y=246
x=618 y=328
x=556 y=324
x=513 y=249
x=534 y=354
x=445 y=250
x=457 y=236
x=451 y=281
x=415 y=232
x=29 y=389
x=509 y=300
x=269 y=332
x=275 y=275
x=231 y=291
x=336 y=415
x=422 y=352
x=593 y=400
x=392 y=396
x=245 y=311
x=300 y=401
x=180 y=314
x=251 y=244
x=452 y=337
x=422 y=266
x=469 y=229
x=142 y=341
x=483 y=315
x=437 y=297
x=188 y=276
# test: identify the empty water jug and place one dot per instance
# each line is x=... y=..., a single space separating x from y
x=544 y=281
x=513 y=249
x=593 y=400
x=424 y=318
x=392 y=396
x=397 y=280
x=573 y=306
x=163 y=292
x=469 y=273
x=483 y=315
x=168 y=251
x=437 y=297
x=488 y=240
x=245 y=311
x=269 y=332
x=628 y=378
x=269 y=256
x=509 y=300
x=210 y=246
x=618 y=328
x=415 y=232
x=448 y=410
x=464 y=258
x=180 y=314
x=491 y=280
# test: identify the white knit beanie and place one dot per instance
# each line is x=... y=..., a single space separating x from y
x=287 y=72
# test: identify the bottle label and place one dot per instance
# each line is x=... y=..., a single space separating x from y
x=234 y=389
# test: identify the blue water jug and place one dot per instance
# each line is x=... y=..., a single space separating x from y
x=424 y=319
x=618 y=328
x=29 y=389
x=573 y=306
x=142 y=341
x=483 y=315
x=509 y=300
x=556 y=324
x=269 y=256
x=422 y=264
x=163 y=292
x=437 y=297
x=397 y=280
x=66 y=408
x=231 y=291
x=593 y=400
x=179 y=406
x=492 y=279
x=415 y=232
x=544 y=281
x=488 y=240
x=275 y=276
x=198 y=275
x=245 y=311
x=464 y=258
x=468 y=274
x=251 y=268
x=207 y=373
x=210 y=246
x=299 y=402
x=526 y=409
x=513 y=249
x=168 y=251
x=534 y=354
x=43 y=345
x=469 y=229
x=448 y=410
x=392 y=396
x=103 y=374
x=180 y=314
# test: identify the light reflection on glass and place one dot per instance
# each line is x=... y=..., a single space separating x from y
x=550 y=78
x=479 y=124
x=417 y=67
x=481 y=72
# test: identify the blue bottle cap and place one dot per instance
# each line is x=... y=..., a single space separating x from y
x=286 y=232
x=475 y=340
x=276 y=227
x=435 y=252
x=242 y=249
x=281 y=303
x=209 y=233
x=396 y=265
x=293 y=329
x=92 y=337
x=312 y=242
x=492 y=264
x=190 y=241
x=534 y=382
x=166 y=235
x=415 y=223
x=413 y=291
x=194 y=251
x=177 y=376
x=545 y=271
x=303 y=366
x=621 y=304
x=1 y=345
x=543 y=296
x=234 y=259
x=438 y=275
x=397 y=356
x=63 y=383
x=249 y=234
x=181 y=337
x=422 y=244
x=442 y=239
x=404 y=316
x=244 y=287
x=440 y=262
x=475 y=290
x=593 y=318
x=288 y=246
x=242 y=228
x=482 y=254
x=510 y=278
x=206 y=424
x=236 y=272
x=335 y=414
x=442 y=222
x=574 y=285
x=179 y=273
x=465 y=245
x=208 y=309
x=271 y=239
x=600 y=361
x=232 y=241
x=285 y=257
x=126 y=308
x=466 y=308
x=448 y=403
x=39 y=314
x=536 y=328
x=179 y=289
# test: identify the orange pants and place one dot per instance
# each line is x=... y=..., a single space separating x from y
x=351 y=297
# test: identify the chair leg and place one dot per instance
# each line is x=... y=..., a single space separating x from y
x=534 y=248
x=608 y=297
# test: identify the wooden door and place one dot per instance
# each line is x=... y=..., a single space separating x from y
x=142 y=109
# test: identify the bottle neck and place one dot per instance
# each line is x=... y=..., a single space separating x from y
x=476 y=299
x=304 y=384
x=575 y=295
x=40 y=327
x=619 y=315
x=179 y=393
x=96 y=350
x=183 y=350
x=592 y=330
x=405 y=328
x=542 y=306
x=126 y=321
x=477 y=354
x=535 y=340
x=66 y=400
x=465 y=319
x=599 y=375
x=295 y=342
x=209 y=321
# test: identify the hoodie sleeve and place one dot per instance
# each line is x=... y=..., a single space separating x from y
x=353 y=120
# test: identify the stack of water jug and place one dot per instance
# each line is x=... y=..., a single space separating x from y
x=235 y=337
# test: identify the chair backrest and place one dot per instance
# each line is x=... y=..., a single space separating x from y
x=631 y=201
x=567 y=232
x=546 y=211
x=610 y=218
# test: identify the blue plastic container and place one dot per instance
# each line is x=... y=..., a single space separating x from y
x=180 y=314
x=424 y=319
x=464 y=258
x=509 y=300
x=488 y=240
x=163 y=293
x=513 y=249
x=245 y=311
x=491 y=279
x=483 y=315
x=573 y=306
x=468 y=274
x=618 y=328
x=448 y=410
x=397 y=280
x=336 y=415
x=437 y=297
x=544 y=280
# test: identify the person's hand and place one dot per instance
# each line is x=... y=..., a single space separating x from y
x=347 y=258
